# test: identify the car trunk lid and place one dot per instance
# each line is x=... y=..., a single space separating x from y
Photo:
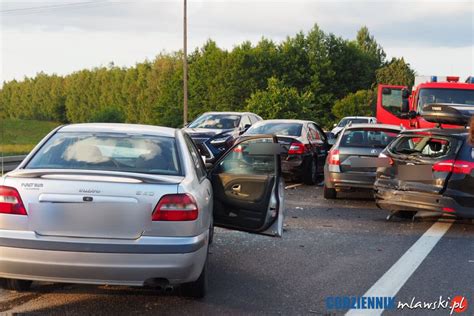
x=352 y=159
x=90 y=205
x=420 y=168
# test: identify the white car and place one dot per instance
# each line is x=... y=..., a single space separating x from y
x=355 y=120
x=131 y=205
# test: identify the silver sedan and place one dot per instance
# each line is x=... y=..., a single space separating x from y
x=130 y=205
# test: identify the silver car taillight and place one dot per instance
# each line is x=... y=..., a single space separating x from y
x=10 y=201
x=176 y=207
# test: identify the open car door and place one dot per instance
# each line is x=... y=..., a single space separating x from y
x=248 y=187
x=389 y=105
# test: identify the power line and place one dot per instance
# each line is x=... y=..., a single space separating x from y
x=46 y=7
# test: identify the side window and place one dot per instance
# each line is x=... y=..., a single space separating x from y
x=316 y=133
x=253 y=119
x=249 y=158
x=307 y=130
x=392 y=101
x=196 y=158
x=321 y=133
x=245 y=121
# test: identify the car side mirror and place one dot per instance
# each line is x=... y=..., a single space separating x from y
x=412 y=114
x=331 y=141
x=405 y=93
x=405 y=106
x=244 y=129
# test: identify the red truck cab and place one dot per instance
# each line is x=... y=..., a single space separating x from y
x=398 y=106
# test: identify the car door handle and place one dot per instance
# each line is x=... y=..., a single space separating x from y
x=236 y=188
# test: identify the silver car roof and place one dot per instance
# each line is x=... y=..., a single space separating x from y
x=372 y=126
x=120 y=128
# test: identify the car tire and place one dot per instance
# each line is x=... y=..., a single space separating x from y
x=198 y=288
x=329 y=193
x=15 y=285
x=310 y=175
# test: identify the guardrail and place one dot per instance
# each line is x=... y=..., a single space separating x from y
x=9 y=163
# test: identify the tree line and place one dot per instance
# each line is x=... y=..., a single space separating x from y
x=314 y=75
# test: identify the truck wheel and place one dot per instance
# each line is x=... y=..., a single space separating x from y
x=15 y=285
x=198 y=288
x=310 y=175
x=329 y=193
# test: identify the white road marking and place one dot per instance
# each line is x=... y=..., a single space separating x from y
x=292 y=186
x=393 y=280
x=471 y=261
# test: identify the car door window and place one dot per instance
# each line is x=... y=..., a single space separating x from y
x=245 y=121
x=317 y=134
x=241 y=160
x=322 y=134
x=196 y=158
x=392 y=100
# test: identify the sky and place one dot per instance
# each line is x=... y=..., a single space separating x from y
x=436 y=37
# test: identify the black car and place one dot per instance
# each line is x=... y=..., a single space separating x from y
x=430 y=170
x=352 y=160
x=305 y=146
x=215 y=132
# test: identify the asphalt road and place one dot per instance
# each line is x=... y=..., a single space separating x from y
x=329 y=248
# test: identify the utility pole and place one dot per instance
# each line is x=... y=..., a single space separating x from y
x=185 y=65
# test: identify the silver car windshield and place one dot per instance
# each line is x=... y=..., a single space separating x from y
x=109 y=151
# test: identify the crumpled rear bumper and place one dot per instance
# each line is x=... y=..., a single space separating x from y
x=396 y=200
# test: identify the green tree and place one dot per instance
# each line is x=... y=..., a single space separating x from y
x=280 y=101
x=360 y=103
x=396 y=72
x=369 y=45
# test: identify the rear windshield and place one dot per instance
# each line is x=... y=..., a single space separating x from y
x=346 y=121
x=107 y=151
x=423 y=146
x=368 y=138
x=282 y=129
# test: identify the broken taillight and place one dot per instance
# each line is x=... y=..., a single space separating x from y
x=454 y=166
